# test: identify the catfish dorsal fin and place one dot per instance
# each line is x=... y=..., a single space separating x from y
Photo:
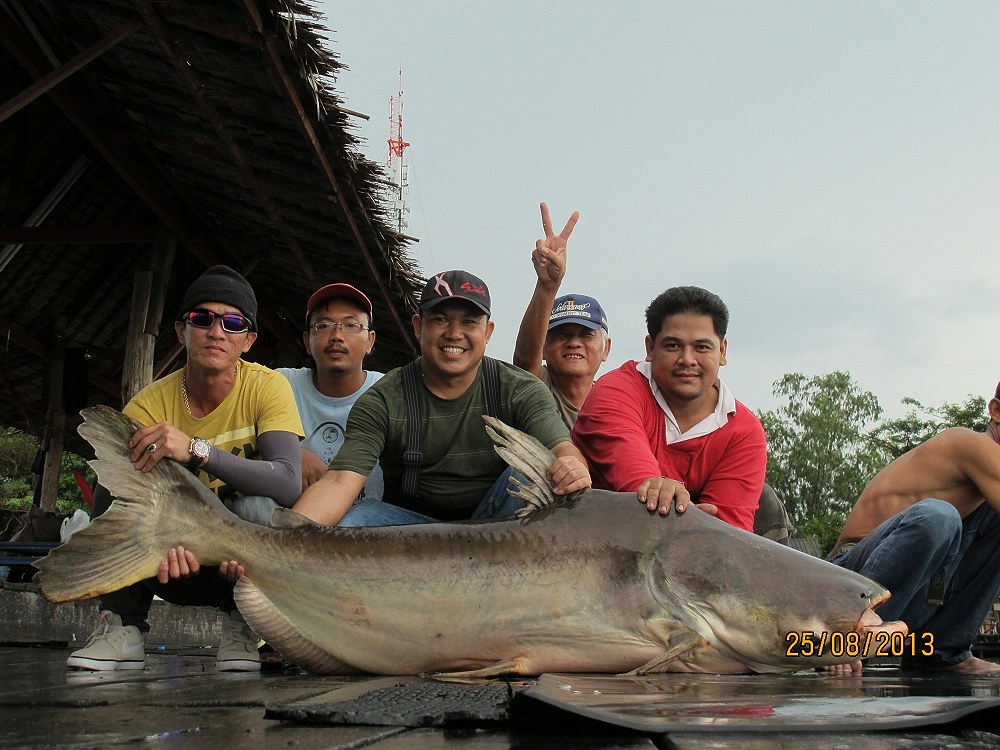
x=526 y=455
x=286 y=518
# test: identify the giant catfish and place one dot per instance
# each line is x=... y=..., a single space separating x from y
x=587 y=583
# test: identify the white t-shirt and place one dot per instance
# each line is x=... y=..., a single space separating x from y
x=324 y=419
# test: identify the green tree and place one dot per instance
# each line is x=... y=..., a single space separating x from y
x=17 y=455
x=896 y=436
x=820 y=450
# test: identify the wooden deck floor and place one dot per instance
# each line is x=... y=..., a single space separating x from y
x=180 y=701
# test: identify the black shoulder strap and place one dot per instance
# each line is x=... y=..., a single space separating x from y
x=412 y=456
x=491 y=373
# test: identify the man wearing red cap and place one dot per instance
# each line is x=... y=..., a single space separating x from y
x=338 y=337
x=449 y=469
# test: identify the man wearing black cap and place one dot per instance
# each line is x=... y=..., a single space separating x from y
x=235 y=425
x=570 y=333
x=338 y=337
x=457 y=474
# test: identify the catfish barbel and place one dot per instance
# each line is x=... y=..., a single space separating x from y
x=587 y=583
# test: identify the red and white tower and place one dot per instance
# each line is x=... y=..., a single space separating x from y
x=398 y=172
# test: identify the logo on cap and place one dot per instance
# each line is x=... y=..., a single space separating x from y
x=455 y=285
x=579 y=309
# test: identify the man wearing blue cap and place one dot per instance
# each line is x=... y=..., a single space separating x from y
x=570 y=333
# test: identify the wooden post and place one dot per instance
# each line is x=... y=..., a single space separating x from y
x=55 y=419
x=137 y=369
x=148 y=292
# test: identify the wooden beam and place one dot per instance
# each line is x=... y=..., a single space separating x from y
x=205 y=154
x=52 y=79
x=198 y=91
x=89 y=112
x=87 y=235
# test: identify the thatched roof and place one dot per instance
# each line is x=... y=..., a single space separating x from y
x=128 y=125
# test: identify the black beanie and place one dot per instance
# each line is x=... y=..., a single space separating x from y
x=222 y=284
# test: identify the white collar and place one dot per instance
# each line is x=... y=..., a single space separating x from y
x=725 y=406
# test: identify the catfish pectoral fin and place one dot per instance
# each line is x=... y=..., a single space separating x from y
x=680 y=645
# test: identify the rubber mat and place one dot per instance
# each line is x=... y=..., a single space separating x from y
x=423 y=703
x=770 y=703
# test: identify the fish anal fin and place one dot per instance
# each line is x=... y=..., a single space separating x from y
x=679 y=645
x=271 y=624
x=507 y=666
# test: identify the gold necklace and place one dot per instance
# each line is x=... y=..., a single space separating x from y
x=184 y=391
x=184 y=388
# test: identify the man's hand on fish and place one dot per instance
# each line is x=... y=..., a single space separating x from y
x=179 y=563
x=182 y=563
x=151 y=444
x=232 y=571
x=313 y=468
x=662 y=493
x=569 y=474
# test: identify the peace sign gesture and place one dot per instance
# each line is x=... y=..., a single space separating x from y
x=549 y=255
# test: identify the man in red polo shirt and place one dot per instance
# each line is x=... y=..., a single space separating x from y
x=667 y=427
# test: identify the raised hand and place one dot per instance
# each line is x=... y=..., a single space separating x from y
x=549 y=255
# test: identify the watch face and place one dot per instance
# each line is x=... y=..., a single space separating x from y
x=202 y=449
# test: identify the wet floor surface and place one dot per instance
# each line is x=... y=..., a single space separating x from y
x=179 y=701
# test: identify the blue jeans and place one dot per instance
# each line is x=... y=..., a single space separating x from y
x=927 y=550
x=253 y=508
x=497 y=503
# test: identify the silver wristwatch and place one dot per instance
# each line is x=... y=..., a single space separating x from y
x=200 y=449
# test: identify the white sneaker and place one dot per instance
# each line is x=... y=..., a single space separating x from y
x=238 y=649
x=111 y=646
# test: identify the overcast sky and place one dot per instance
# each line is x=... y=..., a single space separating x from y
x=831 y=170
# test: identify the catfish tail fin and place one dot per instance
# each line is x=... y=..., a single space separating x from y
x=152 y=512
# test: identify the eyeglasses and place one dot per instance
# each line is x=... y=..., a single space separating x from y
x=326 y=326
x=231 y=322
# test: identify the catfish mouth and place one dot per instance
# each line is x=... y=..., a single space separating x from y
x=870 y=622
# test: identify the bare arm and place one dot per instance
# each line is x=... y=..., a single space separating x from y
x=549 y=260
x=327 y=500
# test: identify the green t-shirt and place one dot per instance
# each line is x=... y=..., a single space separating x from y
x=459 y=463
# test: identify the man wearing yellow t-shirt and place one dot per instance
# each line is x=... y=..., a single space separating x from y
x=234 y=424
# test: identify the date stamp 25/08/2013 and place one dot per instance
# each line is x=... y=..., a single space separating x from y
x=807 y=643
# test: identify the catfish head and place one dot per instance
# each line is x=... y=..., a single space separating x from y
x=761 y=604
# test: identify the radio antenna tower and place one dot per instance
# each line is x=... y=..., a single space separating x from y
x=398 y=173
